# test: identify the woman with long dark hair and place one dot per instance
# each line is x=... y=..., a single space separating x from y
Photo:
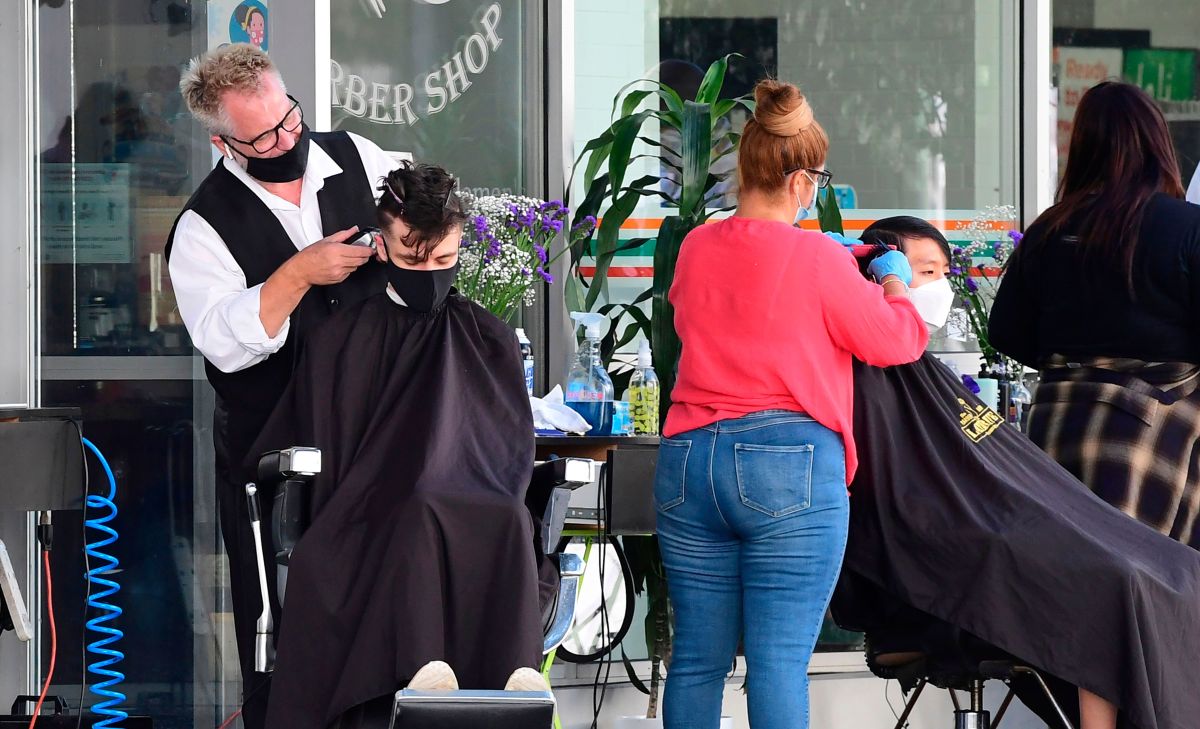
x=1103 y=297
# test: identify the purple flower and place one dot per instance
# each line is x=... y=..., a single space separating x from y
x=1016 y=237
x=542 y=254
x=972 y=286
x=545 y=275
x=955 y=271
x=959 y=251
x=585 y=226
x=971 y=384
x=526 y=272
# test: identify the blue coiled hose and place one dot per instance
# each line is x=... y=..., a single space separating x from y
x=104 y=648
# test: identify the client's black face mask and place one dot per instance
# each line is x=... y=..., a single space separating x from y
x=422 y=291
x=287 y=167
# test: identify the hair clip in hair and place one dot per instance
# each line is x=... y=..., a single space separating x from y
x=388 y=186
x=449 y=193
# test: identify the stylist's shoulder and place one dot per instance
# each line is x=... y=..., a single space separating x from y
x=376 y=162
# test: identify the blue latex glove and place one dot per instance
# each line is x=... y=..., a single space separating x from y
x=846 y=242
x=892 y=263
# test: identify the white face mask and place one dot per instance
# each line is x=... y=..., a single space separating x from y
x=807 y=211
x=933 y=301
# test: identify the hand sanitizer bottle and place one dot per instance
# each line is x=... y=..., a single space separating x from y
x=644 y=393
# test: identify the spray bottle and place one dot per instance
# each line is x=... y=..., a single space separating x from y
x=644 y=393
x=526 y=359
x=589 y=388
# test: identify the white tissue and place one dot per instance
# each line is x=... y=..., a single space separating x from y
x=551 y=413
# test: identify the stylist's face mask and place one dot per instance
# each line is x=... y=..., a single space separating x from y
x=807 y=211
x=933 y=301
x=286 y=167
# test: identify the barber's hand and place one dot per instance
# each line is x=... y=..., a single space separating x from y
x=892 y=263
x=330 y=260
x=843 y=240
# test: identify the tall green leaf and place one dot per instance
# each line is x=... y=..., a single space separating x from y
x=625 y=132
x=607 y=241
x=666 y=340
x=695 y=144
x=714 y=79
x=604 y=140
x=828 y=215
x=595 y=162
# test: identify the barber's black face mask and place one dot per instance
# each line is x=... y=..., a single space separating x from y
x=422 y=291
x=287 y=167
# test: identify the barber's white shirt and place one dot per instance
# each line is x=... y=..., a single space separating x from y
x=218 y=309
x=1193 y=193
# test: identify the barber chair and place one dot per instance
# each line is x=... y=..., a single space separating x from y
x=918 y=650
x=291 y=472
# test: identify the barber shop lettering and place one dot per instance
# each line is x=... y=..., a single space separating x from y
x=383 y=103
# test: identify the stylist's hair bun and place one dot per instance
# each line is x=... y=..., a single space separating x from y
x=781 y=109
x=782 y=137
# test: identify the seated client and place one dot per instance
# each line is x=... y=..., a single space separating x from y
x=420 y=546
x=959 y=516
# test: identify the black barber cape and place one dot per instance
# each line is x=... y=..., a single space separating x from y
x=420 y=546
x=960 y=516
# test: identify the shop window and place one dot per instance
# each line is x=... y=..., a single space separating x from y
x=1152 y=44
x=919 y=101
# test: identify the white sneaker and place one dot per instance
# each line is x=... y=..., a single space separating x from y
x=527 y=679
x=434 y=676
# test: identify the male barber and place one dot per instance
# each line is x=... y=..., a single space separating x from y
x=258 y=257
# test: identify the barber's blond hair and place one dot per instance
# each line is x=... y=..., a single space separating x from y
x=782 y=136
x=238 y=67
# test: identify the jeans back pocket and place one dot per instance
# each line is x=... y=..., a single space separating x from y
x=671 y=472
x=776 y=480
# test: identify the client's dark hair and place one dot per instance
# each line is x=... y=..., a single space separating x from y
x=423 y=196
x=896 y=230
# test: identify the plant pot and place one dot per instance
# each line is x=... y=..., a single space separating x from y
x=641 y=722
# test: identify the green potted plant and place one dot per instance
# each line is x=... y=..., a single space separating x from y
x=689 y=189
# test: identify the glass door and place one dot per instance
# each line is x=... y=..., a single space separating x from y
x=118 y=156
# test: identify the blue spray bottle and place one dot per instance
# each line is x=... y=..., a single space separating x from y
x=589 y=388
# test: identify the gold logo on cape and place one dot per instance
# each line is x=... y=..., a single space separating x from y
x=978 y=421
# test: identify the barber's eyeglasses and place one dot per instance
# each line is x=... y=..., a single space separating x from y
x=823 y=177
x=269 y=139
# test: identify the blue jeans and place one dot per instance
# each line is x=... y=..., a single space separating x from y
x=752 y=522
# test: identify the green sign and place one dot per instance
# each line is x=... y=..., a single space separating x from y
x=1165 y=74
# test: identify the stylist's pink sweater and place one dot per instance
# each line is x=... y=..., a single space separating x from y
x=770 y=317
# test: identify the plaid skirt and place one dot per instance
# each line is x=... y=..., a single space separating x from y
x=1129 y=430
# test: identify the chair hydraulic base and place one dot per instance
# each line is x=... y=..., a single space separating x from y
x=975 y=717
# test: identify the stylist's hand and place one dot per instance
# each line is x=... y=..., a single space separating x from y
x=329 y=260
x=844 y=241
x=892 y=263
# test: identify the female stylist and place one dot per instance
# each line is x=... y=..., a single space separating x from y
x=751 y=483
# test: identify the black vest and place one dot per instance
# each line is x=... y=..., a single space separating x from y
x=260 y=246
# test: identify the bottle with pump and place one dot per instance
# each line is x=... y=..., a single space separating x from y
x=589 y=388
x=527 y=359
x=644 y=393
